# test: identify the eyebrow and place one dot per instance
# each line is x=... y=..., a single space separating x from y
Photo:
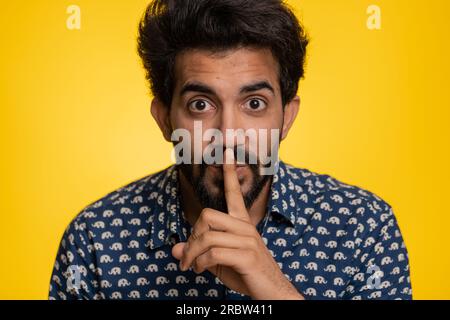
x=200 y=87
x=257 y=86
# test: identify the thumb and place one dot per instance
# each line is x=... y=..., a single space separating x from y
x=177 y=250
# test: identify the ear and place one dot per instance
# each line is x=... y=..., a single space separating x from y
x=290 y=113
x=161 y=114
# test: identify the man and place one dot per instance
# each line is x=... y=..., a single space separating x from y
x=229 y=229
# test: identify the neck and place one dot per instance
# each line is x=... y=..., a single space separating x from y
x=192 y=207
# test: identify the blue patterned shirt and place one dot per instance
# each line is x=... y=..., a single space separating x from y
x=330 y=239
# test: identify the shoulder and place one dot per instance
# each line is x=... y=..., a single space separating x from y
x=125 y=205
x=332 y=200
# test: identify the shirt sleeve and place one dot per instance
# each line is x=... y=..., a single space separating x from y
x=383 y=267
x=73 y=276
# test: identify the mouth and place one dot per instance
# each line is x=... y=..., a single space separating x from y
x=219 y=166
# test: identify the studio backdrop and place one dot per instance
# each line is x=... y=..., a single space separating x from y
x=75 y=120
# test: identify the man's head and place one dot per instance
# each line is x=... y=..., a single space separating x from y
x=228 y=64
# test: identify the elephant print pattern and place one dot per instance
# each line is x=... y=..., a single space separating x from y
x=331 y=240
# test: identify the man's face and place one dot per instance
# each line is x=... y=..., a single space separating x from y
x=236 y=89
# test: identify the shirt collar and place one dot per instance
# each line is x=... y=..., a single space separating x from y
x=170 y=220
x=285 y=191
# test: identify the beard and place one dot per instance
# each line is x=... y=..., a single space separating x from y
x=217 y=200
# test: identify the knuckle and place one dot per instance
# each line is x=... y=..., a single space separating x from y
x=213 y=254
x=204 y=238
x=232 y=191
x=194 y=236
x=205 y=215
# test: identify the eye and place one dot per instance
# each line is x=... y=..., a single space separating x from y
x=255 y=104
x=200 y=105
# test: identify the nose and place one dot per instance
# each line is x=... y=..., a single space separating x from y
x=228 y=123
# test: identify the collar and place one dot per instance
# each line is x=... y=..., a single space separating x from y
x=282 y=200
x=169 y=221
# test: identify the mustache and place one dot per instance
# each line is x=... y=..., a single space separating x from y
x=242 y=156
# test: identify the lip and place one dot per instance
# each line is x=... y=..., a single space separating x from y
x=221 y=165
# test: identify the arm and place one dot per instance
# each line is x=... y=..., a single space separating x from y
x=383 y=265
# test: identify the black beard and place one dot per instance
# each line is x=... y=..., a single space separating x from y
x=218 y=202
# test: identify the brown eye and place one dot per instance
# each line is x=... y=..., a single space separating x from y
x=255 y=104
x=200 y=105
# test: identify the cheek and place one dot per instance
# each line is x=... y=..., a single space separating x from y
x=275 y=128
x=266 y=139
x=178 y=119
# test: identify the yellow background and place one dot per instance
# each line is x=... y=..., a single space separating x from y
x=75 y=121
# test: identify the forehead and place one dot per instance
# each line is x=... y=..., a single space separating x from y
x=226 y=69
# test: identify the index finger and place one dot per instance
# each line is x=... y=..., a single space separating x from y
x=233 y=195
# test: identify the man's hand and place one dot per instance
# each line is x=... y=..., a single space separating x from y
x=230 y=247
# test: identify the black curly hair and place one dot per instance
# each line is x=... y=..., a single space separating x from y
x=169 y=27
